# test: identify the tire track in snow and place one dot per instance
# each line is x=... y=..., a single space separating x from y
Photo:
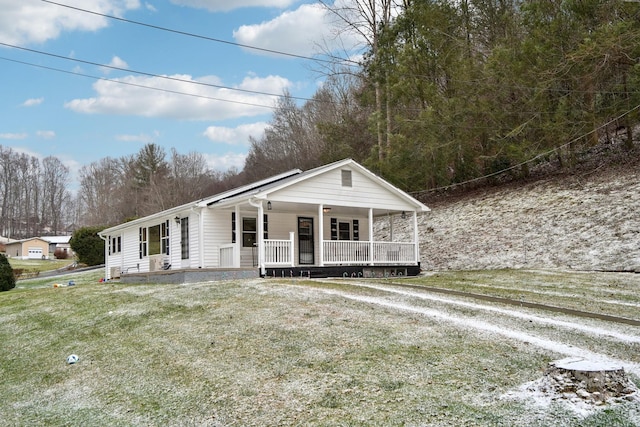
x=479 y=325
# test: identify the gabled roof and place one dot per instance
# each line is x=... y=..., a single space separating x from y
x=205 y=201
x=262 y=192
x=26 y=240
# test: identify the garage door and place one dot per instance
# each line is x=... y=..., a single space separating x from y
x=35 y=253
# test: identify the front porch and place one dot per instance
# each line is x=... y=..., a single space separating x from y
x=280 y=255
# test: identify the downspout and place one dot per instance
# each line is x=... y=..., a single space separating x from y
x=260 y=233
x=200 y=237
x=416 y=237
x=106 y=256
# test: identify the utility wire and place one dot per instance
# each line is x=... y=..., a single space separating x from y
x=184 y=33
x=546 y=153
x=75 y=73
x=194 y=82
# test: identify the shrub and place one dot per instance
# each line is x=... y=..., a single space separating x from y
x=7 y=280
x=61 y=254
x=88 y=246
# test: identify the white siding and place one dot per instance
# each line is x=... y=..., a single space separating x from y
x=327 y=188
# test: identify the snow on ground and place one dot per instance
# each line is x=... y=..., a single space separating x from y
x=543 y=391
x=587 y=219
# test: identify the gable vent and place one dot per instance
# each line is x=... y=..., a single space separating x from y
x=346 y=178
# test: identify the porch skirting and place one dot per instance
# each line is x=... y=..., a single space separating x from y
x=344 y=271
x=220 y=274
x=191 y=275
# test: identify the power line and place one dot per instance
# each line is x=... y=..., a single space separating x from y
x=546 y=153
x=199 y=36
x=144 y=73
x=75 y=73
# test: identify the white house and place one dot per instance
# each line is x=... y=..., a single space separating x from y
x=316 y=223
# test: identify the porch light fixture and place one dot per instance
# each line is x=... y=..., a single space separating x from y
x=326 y=210
x=177 y=220
x=269 y=206
x=403 y=215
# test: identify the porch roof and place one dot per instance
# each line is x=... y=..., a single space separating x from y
x=265 y=192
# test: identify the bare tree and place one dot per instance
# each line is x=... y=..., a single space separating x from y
x=100 y=192
x=55 y=196
x=367 y=19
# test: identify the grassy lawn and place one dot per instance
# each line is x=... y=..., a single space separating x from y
x=34 y=267
x=264 y=352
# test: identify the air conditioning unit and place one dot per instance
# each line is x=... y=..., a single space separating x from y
x=115 y=272
x=156 y=263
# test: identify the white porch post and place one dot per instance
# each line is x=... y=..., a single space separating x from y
x=371 y=255
x=260 y=234
x=321 y=233
x=391 y=221
x=291 y=245
x=416 y=237
x=238 y=244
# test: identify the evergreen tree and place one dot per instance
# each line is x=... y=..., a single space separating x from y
x=7 y=279
x=89 y=247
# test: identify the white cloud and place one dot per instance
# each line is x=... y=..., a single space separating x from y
x=150 y=7
x=32 y=102
x=144 y=138
x=227 y=5
x=298 y=32
x=46 y=134
x=116 y=62
x=34 y=21
x=225 y=162
x=202 y=102
x=235 y=136
x=13 y=136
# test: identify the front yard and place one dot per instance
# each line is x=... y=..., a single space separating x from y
x=289 y=352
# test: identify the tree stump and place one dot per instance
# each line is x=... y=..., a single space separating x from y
x=593 y=382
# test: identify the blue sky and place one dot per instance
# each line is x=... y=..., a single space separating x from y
x=80 y=120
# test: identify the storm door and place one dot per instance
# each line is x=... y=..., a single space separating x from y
x=305 y=240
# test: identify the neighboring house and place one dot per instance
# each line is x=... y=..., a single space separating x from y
x=33 y=248
x=316 y=223
x=59 y=243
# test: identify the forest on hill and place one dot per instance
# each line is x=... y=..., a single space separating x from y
x=446 y=92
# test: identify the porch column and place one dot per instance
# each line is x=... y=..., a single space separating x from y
x=321 y=234
x=416 y=237
x=371 y=255
x=260 y=233
x=238 y=244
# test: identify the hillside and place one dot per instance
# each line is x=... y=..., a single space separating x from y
x=584 y=219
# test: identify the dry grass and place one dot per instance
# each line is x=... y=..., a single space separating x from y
x=264 y=352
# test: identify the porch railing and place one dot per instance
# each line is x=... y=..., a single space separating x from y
x=278 y=252
x=226 y=256
x=361 y=252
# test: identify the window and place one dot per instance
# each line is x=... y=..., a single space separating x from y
x=344 y=230
x=265 y=228
x=346 y=178
x=115 y=245
x=233 y=227
x=142 y=236
x=164 y=237
x=249 y=229
x=184 y=238
x=341 y=229
x=154 y=240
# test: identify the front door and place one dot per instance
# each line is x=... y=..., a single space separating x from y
x=305 y=240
